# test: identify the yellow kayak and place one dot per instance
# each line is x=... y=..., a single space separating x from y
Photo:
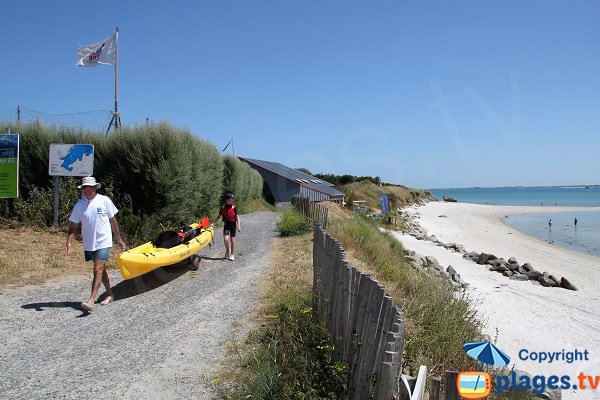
x=168 y=248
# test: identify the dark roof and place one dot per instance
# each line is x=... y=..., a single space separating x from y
x=294 y=175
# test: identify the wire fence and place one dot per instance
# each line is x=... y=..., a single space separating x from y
x=95 y=120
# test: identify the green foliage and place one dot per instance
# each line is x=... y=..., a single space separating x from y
x=253 y=205
x=289 y=357
x=304 y=170
x=292 y=223
x=340 y=180
x=38 y=208
x=157 y=175
x=241 y=179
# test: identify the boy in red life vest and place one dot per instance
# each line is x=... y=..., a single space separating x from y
x=231 y=219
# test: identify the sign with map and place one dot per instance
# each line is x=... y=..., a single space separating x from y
x=9 y=166
x=71 y=160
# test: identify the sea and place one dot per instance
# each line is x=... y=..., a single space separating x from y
x=583 y=236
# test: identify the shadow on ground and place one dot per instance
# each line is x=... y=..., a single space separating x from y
x=147 y=282
x=123 y=289
x=56 y=304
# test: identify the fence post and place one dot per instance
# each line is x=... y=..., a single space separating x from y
x=451 y=389
x=404 y=394
x=56 y=200
x=435 y=383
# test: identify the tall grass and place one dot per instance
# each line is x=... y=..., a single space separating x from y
x=288 y=357
x=293 y=223
x=439 y=320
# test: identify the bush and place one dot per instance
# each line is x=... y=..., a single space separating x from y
x=157 y=175
x=293 y=223
x=241 y=179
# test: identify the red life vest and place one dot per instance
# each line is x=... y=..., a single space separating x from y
x=228 y=213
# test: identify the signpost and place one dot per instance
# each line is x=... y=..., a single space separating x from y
x=69 y=160
x=9 y=168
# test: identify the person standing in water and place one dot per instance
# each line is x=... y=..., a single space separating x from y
x=550 y=223
x=575 y=222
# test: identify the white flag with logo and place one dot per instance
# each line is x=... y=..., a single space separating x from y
x=102 y=52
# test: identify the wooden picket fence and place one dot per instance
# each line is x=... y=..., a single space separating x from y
x=366 y=327
x=316 y=213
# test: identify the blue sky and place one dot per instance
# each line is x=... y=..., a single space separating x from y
x=436 y=94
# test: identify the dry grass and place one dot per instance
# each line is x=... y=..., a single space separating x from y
x=336 y=212
x=291 y=260
x=368 y=191
x=31 y=256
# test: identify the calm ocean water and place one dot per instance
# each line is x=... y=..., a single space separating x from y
x=584 y=238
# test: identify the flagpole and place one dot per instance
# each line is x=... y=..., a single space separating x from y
x=116 y=118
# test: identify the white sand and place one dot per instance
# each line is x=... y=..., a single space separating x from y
x=520 y=314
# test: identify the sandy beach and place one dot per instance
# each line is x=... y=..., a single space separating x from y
x=521 y=315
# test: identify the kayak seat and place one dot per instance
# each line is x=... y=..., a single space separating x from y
x=166 y=240
x=188 y=235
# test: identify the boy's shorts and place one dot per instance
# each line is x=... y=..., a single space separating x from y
x=100 y=254
x=230 y=229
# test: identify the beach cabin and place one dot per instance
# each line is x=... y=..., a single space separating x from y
x=281 y=183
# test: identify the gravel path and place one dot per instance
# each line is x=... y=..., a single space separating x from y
x=162 y=334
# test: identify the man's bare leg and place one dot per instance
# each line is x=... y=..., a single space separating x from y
x=106 y=283
x=98 y=270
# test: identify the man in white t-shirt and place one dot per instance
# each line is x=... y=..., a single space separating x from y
x=96 y=213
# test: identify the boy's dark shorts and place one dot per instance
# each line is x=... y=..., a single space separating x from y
x=230 y=229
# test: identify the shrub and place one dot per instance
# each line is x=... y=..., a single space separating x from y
x=292 y=223
x=241 y=179
x=156 y=174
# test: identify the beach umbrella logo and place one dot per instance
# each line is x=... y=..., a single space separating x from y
x=487 y=353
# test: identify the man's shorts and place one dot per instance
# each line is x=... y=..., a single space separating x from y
x=229 y=229
x=100 y=254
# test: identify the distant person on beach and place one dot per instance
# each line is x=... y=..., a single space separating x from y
x=575 y=222
x=97 y=216
x=550 y=223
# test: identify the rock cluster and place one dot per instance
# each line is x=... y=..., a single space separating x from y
x=509 y=268
x=433 y=267
x=521 y=272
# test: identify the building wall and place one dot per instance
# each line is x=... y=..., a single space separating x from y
x=282 y=189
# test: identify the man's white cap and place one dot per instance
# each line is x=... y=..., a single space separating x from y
x=89 y=181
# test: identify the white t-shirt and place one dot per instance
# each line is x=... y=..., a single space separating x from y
x=94 y=217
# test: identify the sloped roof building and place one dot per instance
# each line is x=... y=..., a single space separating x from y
x=282 y=183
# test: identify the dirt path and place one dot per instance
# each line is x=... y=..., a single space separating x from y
x=156 y=341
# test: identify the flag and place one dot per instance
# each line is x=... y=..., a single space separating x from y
x=102 y=52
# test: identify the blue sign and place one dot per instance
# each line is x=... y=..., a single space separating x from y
x=383 y=200
x=71 y=160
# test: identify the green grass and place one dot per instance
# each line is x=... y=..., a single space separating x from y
x=292 y=223
x=439 y=320
x=288 y=357
x=254 y=204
